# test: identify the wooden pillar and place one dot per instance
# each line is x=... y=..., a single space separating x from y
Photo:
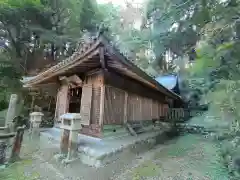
x=140 y=100
x=103 y=61
x=56 y=108
x=33 y=100
x=125 y=107
x=62 y=102
x=102 y=100
x=86 y=104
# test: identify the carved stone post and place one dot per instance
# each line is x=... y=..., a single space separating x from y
x=3 y=146
x=71 y=125
x=64 y=142
x=11 y=113
x=73 y=144
x=17 y=144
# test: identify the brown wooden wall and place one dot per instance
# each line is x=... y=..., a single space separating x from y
x=128 y=100
x=96 y=81
x=132 y=86
x=113 y=100
x=90 y=104
x=121 y=106
x=113 y=105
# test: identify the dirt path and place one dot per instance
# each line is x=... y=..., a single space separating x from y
x=186 y=157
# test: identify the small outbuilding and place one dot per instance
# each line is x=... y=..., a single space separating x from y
x=105 y=87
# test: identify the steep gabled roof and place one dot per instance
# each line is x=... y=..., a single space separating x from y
x=117 y=61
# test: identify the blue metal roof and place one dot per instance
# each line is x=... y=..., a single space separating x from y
x=2 y=44
x=168 y=81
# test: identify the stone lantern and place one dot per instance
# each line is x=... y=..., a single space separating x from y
x=71 y=121
x=70 y=125
x=36 y=119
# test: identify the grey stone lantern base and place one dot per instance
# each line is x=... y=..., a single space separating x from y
x=4 y=137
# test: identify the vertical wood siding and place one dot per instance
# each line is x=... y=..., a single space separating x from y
x=62 y=103
x=113 y=106
x=96 y=81
x=86 y=104
x=136 y=108
x=92 y=127
x=96 y=105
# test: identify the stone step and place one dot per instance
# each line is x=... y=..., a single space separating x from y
x=138 y=127
x=138 y=131
x=112 y=127
x=130 y=129
x=119 y=132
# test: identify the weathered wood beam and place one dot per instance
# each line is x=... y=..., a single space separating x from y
x=127 y=84
x=94 y=71
x=103 y=61
x=125 y=107
x=102 y=101
x=61 y=68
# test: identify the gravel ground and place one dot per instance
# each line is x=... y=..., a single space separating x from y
x=177 y=159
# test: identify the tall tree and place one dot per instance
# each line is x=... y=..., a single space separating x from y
x=45 y=29
x=176 y=26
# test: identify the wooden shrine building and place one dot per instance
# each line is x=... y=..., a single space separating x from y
x=106 y=88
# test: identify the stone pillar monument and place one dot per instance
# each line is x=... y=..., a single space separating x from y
x=11 y=113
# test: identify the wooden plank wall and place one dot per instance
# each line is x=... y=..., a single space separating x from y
x=86 y=104
x=127 y=100
x=96 y=81
x=113 y=105
x=137 y=107
x=94 y=127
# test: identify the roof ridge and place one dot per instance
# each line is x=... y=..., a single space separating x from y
x=82 y=46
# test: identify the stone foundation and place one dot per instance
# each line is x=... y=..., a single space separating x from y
x=98 y=152
x=92 y=130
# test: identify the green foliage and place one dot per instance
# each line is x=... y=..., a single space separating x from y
x=16 y=172
x=218 y=62
x=34 y=27
x=38 y=29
